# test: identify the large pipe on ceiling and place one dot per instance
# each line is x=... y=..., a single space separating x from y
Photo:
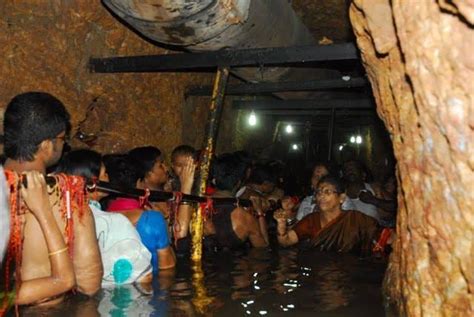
x=209 y=25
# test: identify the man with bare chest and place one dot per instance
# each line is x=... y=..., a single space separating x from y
x=35 y=127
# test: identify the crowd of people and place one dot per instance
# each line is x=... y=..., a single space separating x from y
x=65 y=234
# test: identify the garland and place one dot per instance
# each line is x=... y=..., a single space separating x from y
x=72 y=198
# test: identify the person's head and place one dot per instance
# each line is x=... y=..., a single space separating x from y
x=228 y=171
x=179 y=156
x=35 y=128
x=330 y=194
x=152 y=171
x=320 y=170
x=122 y=170
x=353 y=171
x=262 y=179
x=85 y=163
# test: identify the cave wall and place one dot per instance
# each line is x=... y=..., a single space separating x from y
x=418 y=56
x=45 y=46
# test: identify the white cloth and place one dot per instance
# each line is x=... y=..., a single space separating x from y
x=356 y=204
x=124 y=256
x=306 y=207
x=4 y=216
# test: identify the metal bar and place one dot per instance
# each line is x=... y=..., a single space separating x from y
x=268 y=87
x=362 y=103
x=315 y=113
x=332 y=124
x=224 y=58
x=155 y=195
x=215 y=111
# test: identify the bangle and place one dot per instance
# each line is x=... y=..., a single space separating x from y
x=184 y=203
x=260 y=215
x=57 y=252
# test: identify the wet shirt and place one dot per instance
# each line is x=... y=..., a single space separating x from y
x=125 y=259
x=153 y=231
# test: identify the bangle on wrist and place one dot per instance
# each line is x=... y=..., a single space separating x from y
x=58 y=251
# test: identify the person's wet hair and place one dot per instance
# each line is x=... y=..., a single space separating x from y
x=332 y=180
x=30 y=118
x=145 y=158
x=261 y=174
x=183 y=150
x=122 y=170
x=228 y=170
x=85 y=163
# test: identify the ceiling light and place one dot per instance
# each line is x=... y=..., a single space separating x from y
x=252 y=119
x=289 y=129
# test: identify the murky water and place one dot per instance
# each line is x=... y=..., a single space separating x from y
x=253 y=283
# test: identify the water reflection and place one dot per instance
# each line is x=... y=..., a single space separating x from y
x=256 y=282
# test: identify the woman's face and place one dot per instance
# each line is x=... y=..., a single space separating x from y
x=318 y=173
x=328 y=198
x=158 y=175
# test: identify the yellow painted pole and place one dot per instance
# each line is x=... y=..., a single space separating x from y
x=215 y=111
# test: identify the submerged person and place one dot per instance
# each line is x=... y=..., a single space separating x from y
x=308 y=204
x=179 y=157
x=35 y=126
x=150 y=224
x=126 y=260
x=230 y=227
x=354 y=176
x=330 y=228
x=153 y=175
x=61 y=277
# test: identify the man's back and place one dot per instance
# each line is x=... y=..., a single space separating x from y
x=85 y=252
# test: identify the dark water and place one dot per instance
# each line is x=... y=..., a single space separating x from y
x=256 y=283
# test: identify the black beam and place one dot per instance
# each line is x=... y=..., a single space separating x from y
x=225 y=58
x=361 y=103
x=314 y=113
x=268 y=87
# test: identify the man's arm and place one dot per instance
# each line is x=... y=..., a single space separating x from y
x=166 y=258
x=62 y=272
x=257 y=239
x=86 y=259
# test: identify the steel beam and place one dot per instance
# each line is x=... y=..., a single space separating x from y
x=225 y=58
x=304 y=104
x=269 y=87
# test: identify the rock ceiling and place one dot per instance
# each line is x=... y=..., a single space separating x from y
x=326 y=18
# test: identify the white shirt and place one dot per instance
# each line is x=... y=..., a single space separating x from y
x=124 y=256
x=356 y=204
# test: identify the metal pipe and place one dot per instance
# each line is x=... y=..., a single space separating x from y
x=210 y=25
x=215 y=111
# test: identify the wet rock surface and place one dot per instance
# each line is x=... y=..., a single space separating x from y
x=421 y=73
x=46 y=47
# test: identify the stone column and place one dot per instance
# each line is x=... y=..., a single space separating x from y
x=419 y=56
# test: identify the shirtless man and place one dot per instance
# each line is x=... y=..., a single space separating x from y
x=35 y=126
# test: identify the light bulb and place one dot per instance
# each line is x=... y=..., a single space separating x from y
x=252 y=119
